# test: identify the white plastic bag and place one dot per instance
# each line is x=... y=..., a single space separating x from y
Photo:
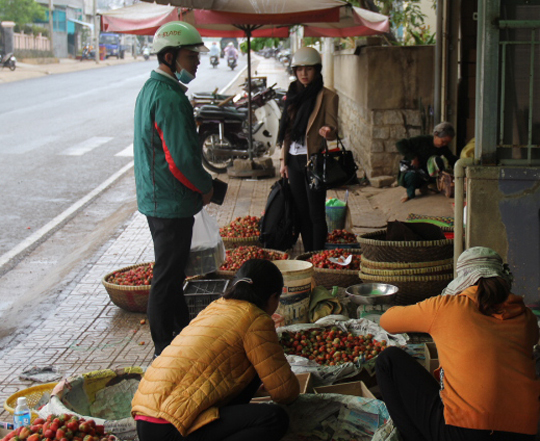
x=207 y=252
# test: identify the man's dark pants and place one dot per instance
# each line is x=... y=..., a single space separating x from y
x=167 y=310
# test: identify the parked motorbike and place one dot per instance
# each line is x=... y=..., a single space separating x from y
x=8 y=61
x=88 y=53
x=231 y=62
x=223 y=130
x=214 y=60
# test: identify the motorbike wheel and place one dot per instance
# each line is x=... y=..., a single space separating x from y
x=212 y=163
x=12 y=65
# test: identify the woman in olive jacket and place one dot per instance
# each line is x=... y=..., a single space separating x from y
x=200 y=387
x=309 y=119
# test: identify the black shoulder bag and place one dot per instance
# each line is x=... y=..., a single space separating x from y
x=326 y=170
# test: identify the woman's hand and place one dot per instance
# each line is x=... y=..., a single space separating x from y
x=283 y=171
x=327 y=132
x=415 y=163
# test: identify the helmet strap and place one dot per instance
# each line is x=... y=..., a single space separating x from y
x=172 y=66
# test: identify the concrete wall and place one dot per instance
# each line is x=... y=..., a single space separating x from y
x=382 y=91
x=504 y=214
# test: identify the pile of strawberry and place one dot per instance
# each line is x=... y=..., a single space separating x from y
x=65 y=427
x=341 y=236
x=320 y=260
x=247 y=226
x=237 y=256
x=141 y=275
x=331 y=346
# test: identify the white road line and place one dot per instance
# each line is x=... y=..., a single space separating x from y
x=232 y=81
x=29 y=241
x=128 y=151
x=85 y=146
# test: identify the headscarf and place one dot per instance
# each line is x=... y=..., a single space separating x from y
x=300 y=102
x=474 y=264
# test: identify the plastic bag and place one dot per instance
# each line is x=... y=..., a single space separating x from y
x=207 y=252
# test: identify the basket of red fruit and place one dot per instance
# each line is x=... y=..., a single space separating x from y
x=237 y=256
x=241 y=231
x=330 y=267
x=341 y=239
x=129 y=287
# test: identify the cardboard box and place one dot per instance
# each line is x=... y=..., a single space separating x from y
x=306 y=387
x=431 y=362
x=356 y=388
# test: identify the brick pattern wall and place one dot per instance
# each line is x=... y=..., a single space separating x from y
x=372 y=135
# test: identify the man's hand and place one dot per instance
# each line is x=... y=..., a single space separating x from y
x=283 y=171
x=206 y=197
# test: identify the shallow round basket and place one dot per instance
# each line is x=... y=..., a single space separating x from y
x=230 y=274
x=376 y=248
x=33 y=396
x=235 y=242
x=412 y=289
x=366 y=263
x=129 y=298
x=425 y=270
x=331 y=277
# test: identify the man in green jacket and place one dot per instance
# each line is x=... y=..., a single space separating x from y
x=172 y=185
x=424 y=157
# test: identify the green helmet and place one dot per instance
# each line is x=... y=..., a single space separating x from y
x=178 y=34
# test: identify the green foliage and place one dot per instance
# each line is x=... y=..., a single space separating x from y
x=21 y=11
x=32 y=29
x=406 y=16
x=258 y=44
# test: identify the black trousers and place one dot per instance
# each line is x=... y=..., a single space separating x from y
x=310 y=205
x=412 y=397
x=167 y=310
x=238 y=421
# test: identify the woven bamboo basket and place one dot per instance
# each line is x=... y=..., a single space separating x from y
x=331 y=277
x=425 y=270
x=376 y=248
x=366 y=263
x=129 y=298
x=414 y=288
x=230 y=274
x=33 y=396
x=235 y=242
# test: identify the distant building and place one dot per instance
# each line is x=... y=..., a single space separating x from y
x=72 y=22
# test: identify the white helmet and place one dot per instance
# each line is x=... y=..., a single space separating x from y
x=306 y=56
x=178 y=34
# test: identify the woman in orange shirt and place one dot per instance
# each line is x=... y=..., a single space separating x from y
x=484 y=336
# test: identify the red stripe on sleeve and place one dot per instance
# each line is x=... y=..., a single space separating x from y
x=172 y=166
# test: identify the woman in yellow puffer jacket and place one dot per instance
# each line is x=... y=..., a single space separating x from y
x=200 y=387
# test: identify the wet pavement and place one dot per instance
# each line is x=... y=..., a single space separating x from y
x=84 y=331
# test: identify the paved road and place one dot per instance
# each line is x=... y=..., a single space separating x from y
x=64 y=135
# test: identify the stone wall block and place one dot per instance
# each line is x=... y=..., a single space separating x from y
x=412 y=117
x=394 y=117
x=398 y=132
x=380 y=132
x=377 y=146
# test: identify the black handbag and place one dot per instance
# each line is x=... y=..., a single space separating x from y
x=326 y=170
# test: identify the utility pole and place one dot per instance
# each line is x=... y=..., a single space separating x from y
x=51 y=26
x=96 y=33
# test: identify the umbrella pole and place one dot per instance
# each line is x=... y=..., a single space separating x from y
x=250 y=116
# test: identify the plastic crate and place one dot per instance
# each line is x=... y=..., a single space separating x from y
x=200 y=293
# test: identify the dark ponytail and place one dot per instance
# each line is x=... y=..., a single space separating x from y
x=255 y=282
x=492 y=292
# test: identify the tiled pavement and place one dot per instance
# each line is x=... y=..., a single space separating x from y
x=86 y=332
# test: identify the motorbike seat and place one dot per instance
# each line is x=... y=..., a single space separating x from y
x=210 y=111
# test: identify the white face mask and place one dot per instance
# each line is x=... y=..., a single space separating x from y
x=183 y=76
